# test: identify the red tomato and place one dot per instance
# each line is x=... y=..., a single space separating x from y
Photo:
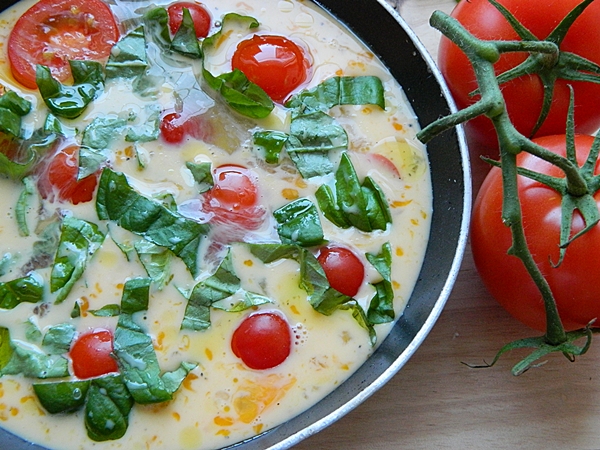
x=52 y=32
x=524 y=95
x=175 y=127
x=575 y=283
x=278 y=65
x=58 y=177
x=263 y=340
x=91 y=354
x=199 y=14
x=234 y=197
x=344 y=270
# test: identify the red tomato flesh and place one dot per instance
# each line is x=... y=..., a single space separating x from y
x=275 y=63
x=200 y=16
x=52 y=32
x=575 y=283
x=91 y=354
x=344 y=270
x=262 y=341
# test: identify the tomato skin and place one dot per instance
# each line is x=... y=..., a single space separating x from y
x=52 y=32
x=344 y=270
x=91 y=354
x=575 y=283
x=58 y=177
x=524 y=95
x=275 y=63
x=175 y=127
x=263 y=340
x=200 y=16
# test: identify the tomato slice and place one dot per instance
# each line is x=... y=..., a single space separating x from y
x=200 y=16
x=263 y=340
x=52 y=32
x=91 y=354
x=58 y=177
x=275 y=63
x=343 y=269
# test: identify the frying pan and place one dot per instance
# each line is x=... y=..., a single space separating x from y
x=389 y=37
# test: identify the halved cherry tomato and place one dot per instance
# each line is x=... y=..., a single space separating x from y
x=234 y=197
x=58 y=177
x=263 y=340
x=175 y=127
x=52 y=32
x=275 y=63
x=199 y=14
x=344 y=270
x=91 y=354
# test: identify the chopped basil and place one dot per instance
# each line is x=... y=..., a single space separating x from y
x=62 y=396
x=298 y=223
x=271 y=143
x=79 y=241
x=58 y=338
x=28 y=289
x=29 y=189
x=111 y=310
x=381 y=308
x=6 y=348
x=202 y=174
x=34 y=363
x=107 y=407
x=136 y=294
x=12 y=108
x=185 y=41
x=149 y=128
x=32 y=332
x=352 y=204
x=70 y=101
x=116 y=200
x=28 y=151
x=128 y=56
x=156 y=260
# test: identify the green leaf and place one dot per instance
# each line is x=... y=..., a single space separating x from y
x=79 y=241
x=107 y=408
x=62 y=396
x=136 y=294
x=381 y=308
x=202 y=174
x=185 y=41
x=32 y=363
x=156 y=260
x=110 y=310
x=149 y=129
x=29 y=189
x=298 y=223
x=12 y=108
x=172 y=380
x=248 y=300
x=58 y=338
x=270 y=143
x=6 y=349
x=128 y=56
x=269 y=253
x=70 y=101
x=28 y=152
x=29 y=288
x=116 y=200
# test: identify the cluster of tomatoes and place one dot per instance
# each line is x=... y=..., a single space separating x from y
x=575 y=283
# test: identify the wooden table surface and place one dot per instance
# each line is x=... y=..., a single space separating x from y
x=437 y=402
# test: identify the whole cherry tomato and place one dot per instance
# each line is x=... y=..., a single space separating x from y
x=91 y=354
x=575 y=283
x=343 y=269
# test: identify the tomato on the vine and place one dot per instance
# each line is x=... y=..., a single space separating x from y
x=200 y=17
x=58 y=177
x=263 y=340
x=277 y=64
x=343 y=269
x=524 y=95
x=575 y=283
x=234 y=197
x=91 y=354
x=52 y=32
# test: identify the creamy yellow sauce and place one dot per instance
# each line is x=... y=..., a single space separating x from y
x=222 y=402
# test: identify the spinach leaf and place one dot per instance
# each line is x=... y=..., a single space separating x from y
x=202 y=174
x=128 y=57
x=62 y=396
x=35 y=364
x=185 y=41
x=298 y=223
x=110 y=310
x=58 y=338
x=156 y=260
x=29 y=189
x=116 y=200
x=149 y=128
x=29 y=288
x=107 y=407
x=12 y=108
x=6 y=348
x=136 y=294
x=271 y=143
x=79 y=241
x=70 y=101
x=381 y=308
x=28 y=153
x=352 y=204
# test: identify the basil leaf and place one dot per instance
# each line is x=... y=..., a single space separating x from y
x=222 y=284
x=172 y=380
x=12 y=108
x=136 y=294
x=202 y=174
x=271 y=143
x=79 y=241
x=269 y=253
x=352 y=204
x=358 y=313
x=28 y=153
x=62 y=396
x=107 y=407
x=29 y=189
x=148 y=130
x=116 y=200
x=229 y=20
x=156 y=260
x=6 y=348
x=32 y=332
x=249 y=300
x=111 y=310
x=128 y=56
x=185 y=41
x=156 y=22
x=28 y=289
x=298 y=223
x=70 y=101
x=35 y=364
x=58 y=338
x=101 y=131
x=381 y=308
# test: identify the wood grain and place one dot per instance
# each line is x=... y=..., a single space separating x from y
x=438 y=402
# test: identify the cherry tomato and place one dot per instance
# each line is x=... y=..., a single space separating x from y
x=52 y=32
x=575 y=283
x=263 y=340
x=199 y=14
x=91 y=354
x=524 y=95
x=344 y=270
x=58 y=177
x=175 y=127
x=275 y=63
x=234 y=197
